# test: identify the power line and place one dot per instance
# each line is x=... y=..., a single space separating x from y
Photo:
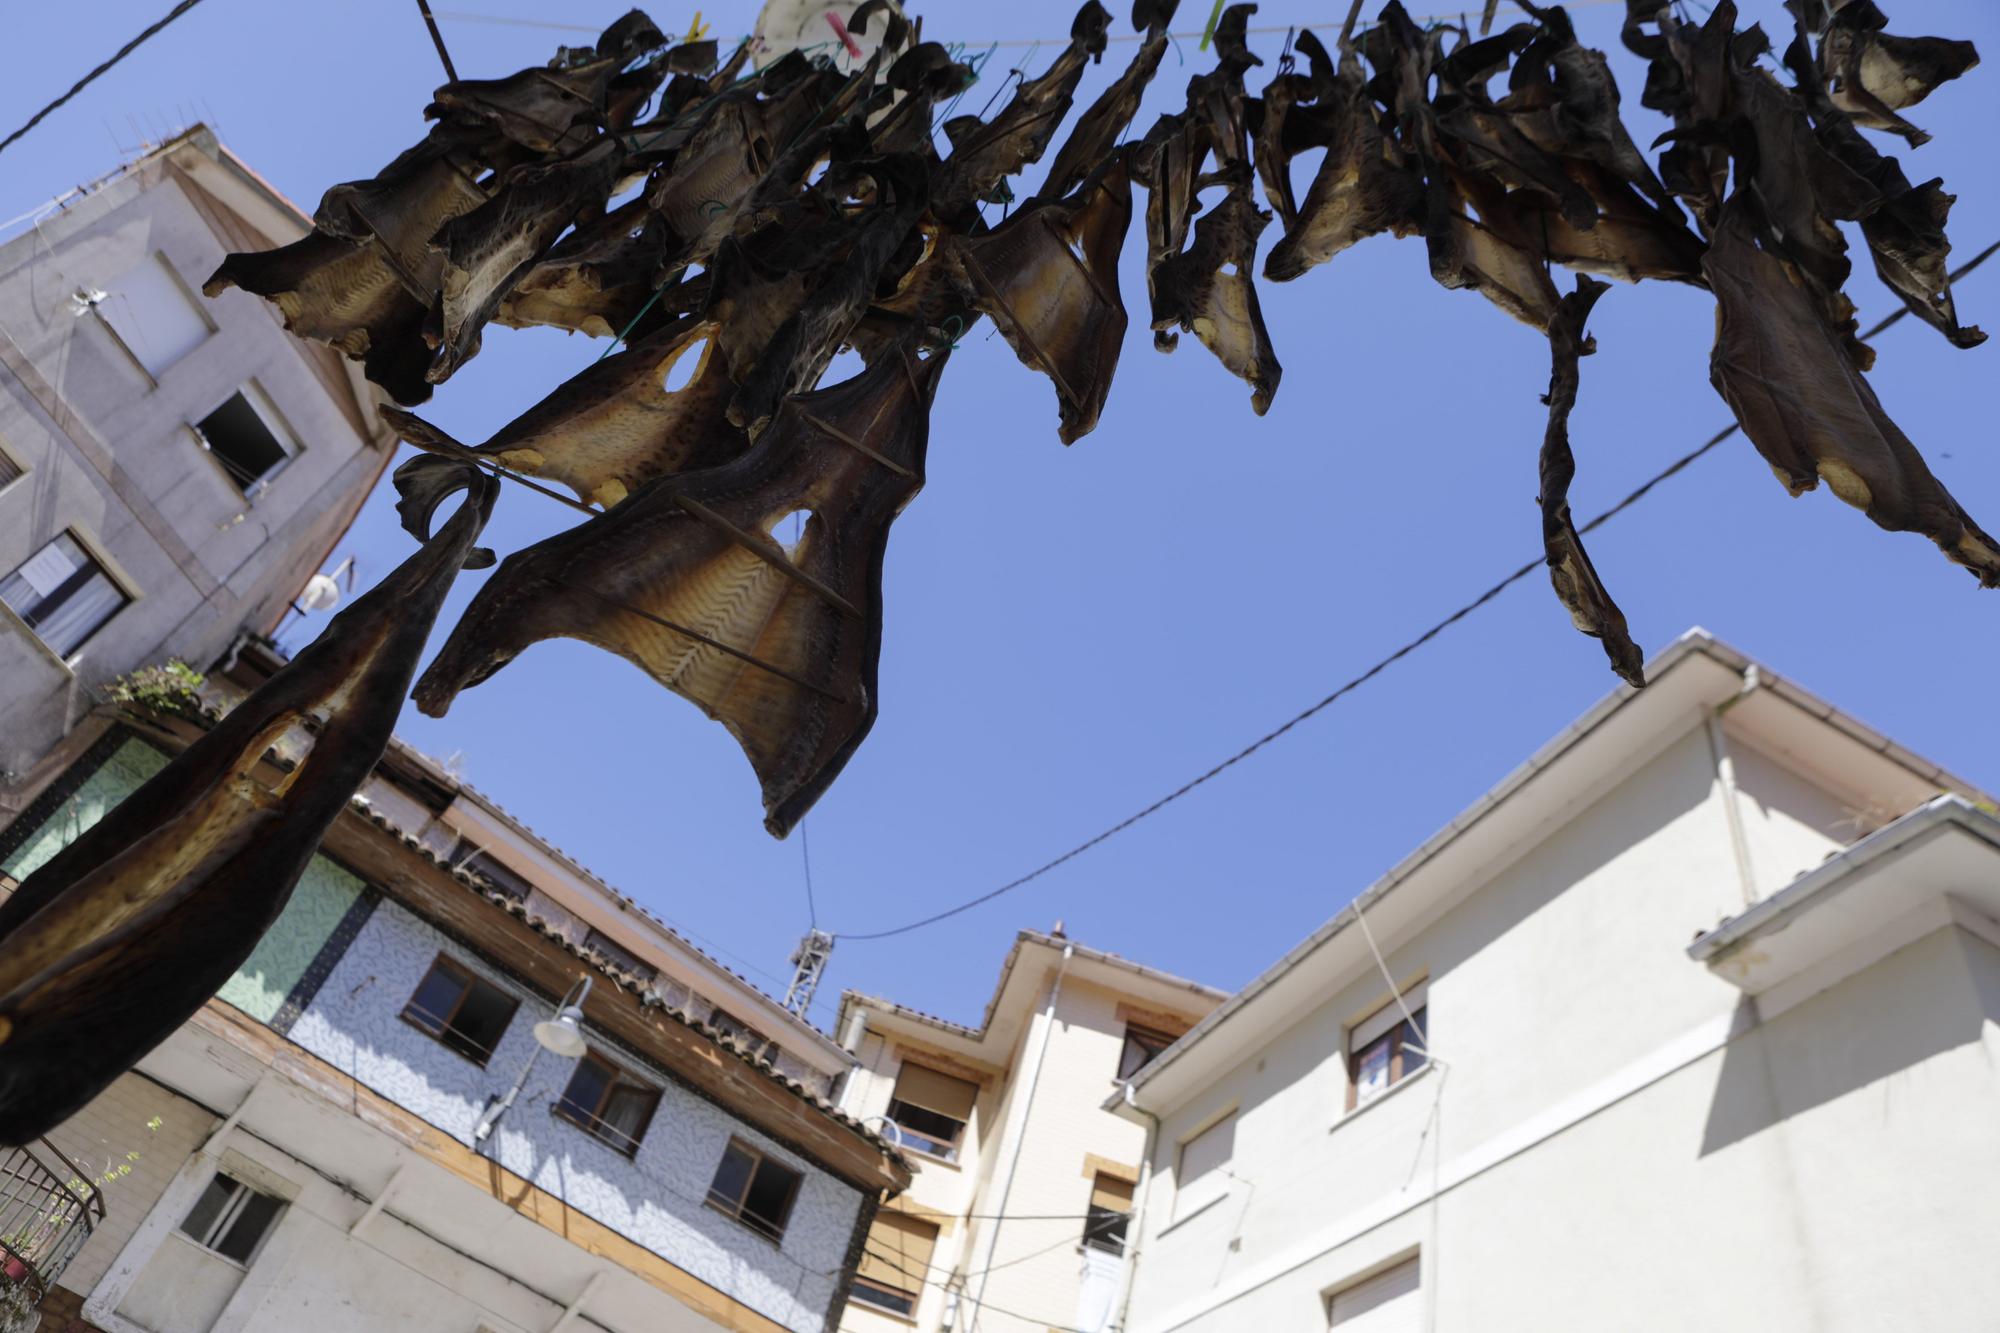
x=1383 y=664
x=183 y=7
x=984 y=1305
x=806 y=857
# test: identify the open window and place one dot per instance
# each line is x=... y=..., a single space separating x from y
x=63 y=594
x=465 y=1012
x=1201 y=1175
x=930 y=1110
x=1141 y=1045
x=755 y=1189
x=608 y=1104
x=1110 y=1213
x=230 y=1218
x=620 y=957
x=1387 y=1047
x=894 y=1263
x=153 y=315
x=245 y=436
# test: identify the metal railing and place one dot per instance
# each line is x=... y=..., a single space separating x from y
x=48 y=1209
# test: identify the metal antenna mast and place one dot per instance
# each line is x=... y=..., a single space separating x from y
x=809 y=963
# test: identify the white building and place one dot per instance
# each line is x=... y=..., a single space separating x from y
x=1024 y=1182
x=1690 y=1023
x=172 y=469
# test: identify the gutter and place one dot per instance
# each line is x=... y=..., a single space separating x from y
x=1129 y=1278
x=1778 y=911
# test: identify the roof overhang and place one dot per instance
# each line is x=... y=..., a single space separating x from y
x=1939 y=864
x=1623 y=731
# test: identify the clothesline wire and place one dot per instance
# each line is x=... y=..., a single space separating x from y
x=183 y=7
x=1355 y=682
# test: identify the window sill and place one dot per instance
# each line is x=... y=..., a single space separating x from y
x=1180 y=1222
x=1381 y=1097
x=855 y=1301
x=23 y=630
x=932 y=1157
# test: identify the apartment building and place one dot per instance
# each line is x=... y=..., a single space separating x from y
x=1689 y=1023
x=460 y=1084
x=172 y=469
x=1024 y=1184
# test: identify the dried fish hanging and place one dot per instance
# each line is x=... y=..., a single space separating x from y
x=122 y=935
x=809 y=205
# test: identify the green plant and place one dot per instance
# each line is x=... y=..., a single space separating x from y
x=172 y=688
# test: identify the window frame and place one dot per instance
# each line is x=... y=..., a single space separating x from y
x=1181 y=1210
x=862 y=1287
x=446 y=963
x=1097 y=1235
x=9 y=460
x=733 y=1209
x=98 y=563
x=1138 y=1034
x=592 y=1121
x=1396 y=1036
x=266 y=411
x=186 y=293
x=241 y=1194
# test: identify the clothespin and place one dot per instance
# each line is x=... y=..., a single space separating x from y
x=697 y=29
x=1208 y=33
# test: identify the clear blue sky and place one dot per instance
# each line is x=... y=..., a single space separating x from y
x=1072 y=632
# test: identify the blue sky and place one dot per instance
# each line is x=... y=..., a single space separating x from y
x=1073 y=632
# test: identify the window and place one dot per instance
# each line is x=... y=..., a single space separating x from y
x=1385 y=1048
x=620 y=958
x=754 y=1189
x=1141 y=1045
x=465 y=1012
x=242 y=437
x=63 y=594
x=230 y=1218
x=10 y=471
x=1110 y=1210
x=1389 y=1302
x=608 y=1104
x=930 y=1110
x=1201 y=1177
x=894 y=1262
x=467 y=856
x=155 y=317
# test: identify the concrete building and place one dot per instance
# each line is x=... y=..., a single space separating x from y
x=368 y=1128
x=1690 y=1023
x=172 y=469
x=1016 y=1218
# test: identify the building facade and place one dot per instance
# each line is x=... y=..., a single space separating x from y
x=366 y=1129
x=1689 y=1023
x=172 y=469
x=1024 y=1184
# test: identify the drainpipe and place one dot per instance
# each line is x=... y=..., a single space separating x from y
x=1725 y=778
x=857 y=1032
x=1014 y=1157
x=1129 y=1278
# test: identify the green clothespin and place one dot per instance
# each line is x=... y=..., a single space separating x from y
x=1208 y=33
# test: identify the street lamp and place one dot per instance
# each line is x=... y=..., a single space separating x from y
x=561 y=1035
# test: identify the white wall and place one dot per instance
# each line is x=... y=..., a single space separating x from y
x=1617 y=1142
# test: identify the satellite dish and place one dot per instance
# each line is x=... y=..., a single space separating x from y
x=818 y=28
x=321 y=591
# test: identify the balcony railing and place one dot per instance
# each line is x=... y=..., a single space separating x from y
x=47 y=1211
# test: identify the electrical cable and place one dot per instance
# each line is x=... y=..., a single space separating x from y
x=1355 y=682
x=183 y=7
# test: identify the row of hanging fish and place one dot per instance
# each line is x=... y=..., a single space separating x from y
x=786 y=213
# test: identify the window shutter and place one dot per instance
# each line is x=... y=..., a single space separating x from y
x=1388 y=1016
x=1202 y=1158
x=1111 y=1192
x=1389 y=1302
x=898 y=1254
x=936 y=1092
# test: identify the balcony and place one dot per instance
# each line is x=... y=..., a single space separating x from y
x=47 y=1211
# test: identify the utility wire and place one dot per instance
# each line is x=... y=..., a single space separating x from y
x=1383 y=664
x=183 y=7
x=806 y=856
